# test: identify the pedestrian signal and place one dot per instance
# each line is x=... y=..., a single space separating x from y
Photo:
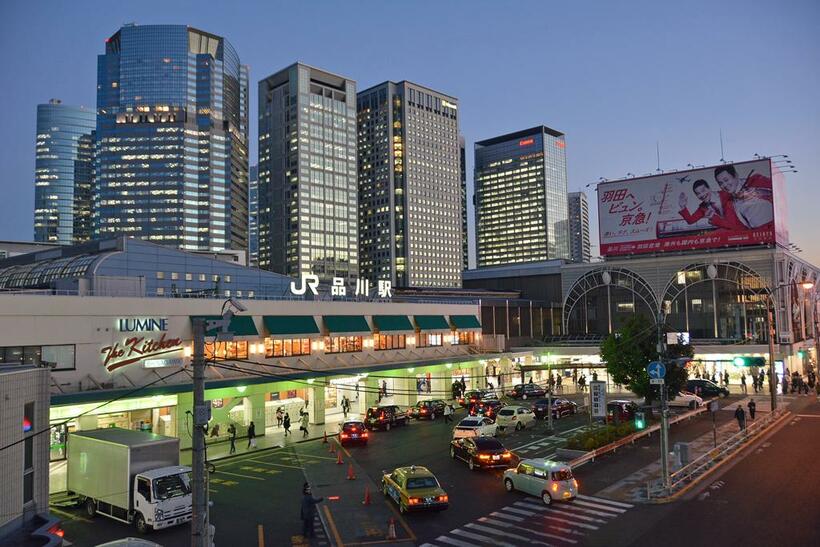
x=743 y=361
x=640 y=421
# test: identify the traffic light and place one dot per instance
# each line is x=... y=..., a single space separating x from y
x=640 y=421
x=744 y=361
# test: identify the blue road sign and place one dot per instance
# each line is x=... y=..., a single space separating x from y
x=656 y=369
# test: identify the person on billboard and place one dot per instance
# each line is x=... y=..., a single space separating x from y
x=751 y=198
x=718 y=210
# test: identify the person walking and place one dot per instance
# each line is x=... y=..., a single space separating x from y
x=594 y=376
x=308 y=510
x=286 y=424
x=251 y=435
x=303 y=424
x=752 y=408
x=740 y=416
x=743 y=382
x=279 y=417
x=726 y=378
x=232 y=433
x=558 y=383
x=448 y=412
x=345 y=406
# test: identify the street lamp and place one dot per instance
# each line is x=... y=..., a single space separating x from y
x=806 y=285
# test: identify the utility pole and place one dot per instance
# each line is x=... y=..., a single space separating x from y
x=664 y=409
x=199 y=531
x=550 y=384
x=772 y=373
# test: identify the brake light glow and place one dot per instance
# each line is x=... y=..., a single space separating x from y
x=575 y=483
x=483 y=456
x=57 y=531
x=555 y=487
x=443 y=499
x=506 y=455
x=365 y=434
x=344 y=435
x=413 y=501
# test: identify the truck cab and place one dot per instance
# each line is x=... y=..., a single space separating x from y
x=163 y=497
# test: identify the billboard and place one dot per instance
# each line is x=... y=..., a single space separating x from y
x=726 y=205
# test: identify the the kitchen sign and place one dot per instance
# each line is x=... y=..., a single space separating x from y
x=142 y=346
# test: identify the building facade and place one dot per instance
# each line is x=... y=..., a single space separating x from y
x=521 y=198
x=253 y=216
x=63 y=168
x=465 y=251
x=308 y=205
x=172 y=139
x=410 y=193
x=579 y=244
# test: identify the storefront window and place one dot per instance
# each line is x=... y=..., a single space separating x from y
x=56 y=357
x=343 y=344
x=226 y=350
x=424 y=340
x=463 y=338
x=287 y=347
x=388 y=341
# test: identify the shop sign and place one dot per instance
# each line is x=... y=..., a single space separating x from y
x=338 y=287
x=597 y=395
x=138 y=348
x=142 y=324
x=217 y=403
x=164 y=363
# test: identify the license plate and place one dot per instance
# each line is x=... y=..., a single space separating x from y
x=496 y=457
x=354 y=436
x=428 y=500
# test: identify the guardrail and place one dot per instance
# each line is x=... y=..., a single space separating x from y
x=630 y=439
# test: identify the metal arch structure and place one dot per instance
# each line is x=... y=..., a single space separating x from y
x=730 y=272
x=595 y=279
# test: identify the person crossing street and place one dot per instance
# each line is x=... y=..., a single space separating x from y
x=740 y=416
x=448 y=412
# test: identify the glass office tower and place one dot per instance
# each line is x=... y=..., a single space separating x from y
x=579 y=244
x=521 y=198
x=253 y=216
x=307 y=173
x=63 y=173
x=410 y=195
x=172 y=139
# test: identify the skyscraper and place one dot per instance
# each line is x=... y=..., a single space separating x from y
x=579 y=245
x=63 y=173
x=465 y=242
x=172 y=139
x=253 y=216
x=307 y=173
x=521 y=198
x=410 y=195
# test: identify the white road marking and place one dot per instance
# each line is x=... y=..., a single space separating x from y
x=599 y=506
x=503 y=516
x=519 y=511
x=542 y=534
x=604 y=500
x=457 y=543
x=506 y=534
x=483 y=539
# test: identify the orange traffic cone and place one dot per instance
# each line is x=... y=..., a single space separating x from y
x=391 y=528
x=351 y=475
x=339 y=458
x=366 y=496
x=324 y=437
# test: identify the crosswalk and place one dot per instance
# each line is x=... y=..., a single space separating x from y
x=529 y=522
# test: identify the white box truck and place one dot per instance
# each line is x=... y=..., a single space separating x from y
x=130 y=476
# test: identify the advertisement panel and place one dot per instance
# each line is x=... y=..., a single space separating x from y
x=724 y=205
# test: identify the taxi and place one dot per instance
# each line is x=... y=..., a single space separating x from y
x=414 y=488
x=549 y=480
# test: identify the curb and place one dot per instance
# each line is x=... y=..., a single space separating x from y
x=677 y=495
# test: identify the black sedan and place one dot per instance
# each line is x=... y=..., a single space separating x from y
x=488 y=409
x=353 y=431
x=705 y=388
x=527 y=391
x=475 y=396
x=427 y=410
x=560 y=408
x=485 y=452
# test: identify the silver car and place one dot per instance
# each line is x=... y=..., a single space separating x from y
x=547 y=479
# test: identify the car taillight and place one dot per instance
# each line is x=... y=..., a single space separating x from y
x=483 y=456
x=443 y=499
x=506 y=455
x=575 y=483
x=353 y=429
x=423 y=411
x=413 y=501
x=365 y=434
x=56 y=530
x=555 y=487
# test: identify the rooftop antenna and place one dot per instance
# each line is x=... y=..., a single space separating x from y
x=722 y=155
x=658 y=154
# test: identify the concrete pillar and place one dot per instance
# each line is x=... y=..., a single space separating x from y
x=316 y=408
x=255 y=410
x=441 y=387
x=369 y=395
x=185 y=402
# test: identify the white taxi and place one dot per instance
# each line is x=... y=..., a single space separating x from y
x=518 y=417
x=475 y=426
x=549 y=480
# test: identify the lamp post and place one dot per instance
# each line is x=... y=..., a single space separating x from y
x=770 y=316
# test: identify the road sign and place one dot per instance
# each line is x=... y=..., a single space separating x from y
x=656 y=369
x=656 y=381
x=597 y=395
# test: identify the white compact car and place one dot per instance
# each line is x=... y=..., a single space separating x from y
x=518 y=417
x=475 y=426
x=684 y=398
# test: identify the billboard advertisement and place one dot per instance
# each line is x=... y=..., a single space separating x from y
x=726 y=205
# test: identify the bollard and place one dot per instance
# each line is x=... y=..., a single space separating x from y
x=366 y=496
x=339 y=458
x=391 y=528
x=324 y=437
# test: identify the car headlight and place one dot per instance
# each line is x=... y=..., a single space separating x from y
x=158 y=514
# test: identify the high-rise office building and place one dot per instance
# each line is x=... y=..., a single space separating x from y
x=307 y=173
x=579 y=245
x=253 y=216
x=465 y=241
x=172 y=139
x=63 y=173
x=521 y=198
x=410 y=224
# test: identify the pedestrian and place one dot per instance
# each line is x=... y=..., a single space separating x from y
x=760 y=379
x=594 y=376
x=448 y=412
x=279 y=417
x=726 y=378
x=303 y=424
x=558 y=383
x=232 y=433
x=308 y=510
x=251 y=435
x=344 y=406
x=286 y=424
x=531 y=380
x=714 y=378
x=743 y=382
x=384 y=387
x=785 y=385
x=752 y=408
x=454 y=390
x=740 y=416
x=463 y=385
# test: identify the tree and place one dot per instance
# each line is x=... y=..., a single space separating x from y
x=628 y=352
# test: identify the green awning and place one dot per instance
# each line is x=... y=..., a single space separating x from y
x=465 y=321
x=392 y=323
x=241 y=325
x=346 y=323
x=290 y=324
x=431 y=322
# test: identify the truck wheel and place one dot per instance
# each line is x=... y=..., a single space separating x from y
x=141 y=525
x=471 y=464
x=90 y=507
x=546 y=498
x=518 y=426
x=508 y=485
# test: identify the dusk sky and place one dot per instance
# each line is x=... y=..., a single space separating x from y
x=616 y=77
